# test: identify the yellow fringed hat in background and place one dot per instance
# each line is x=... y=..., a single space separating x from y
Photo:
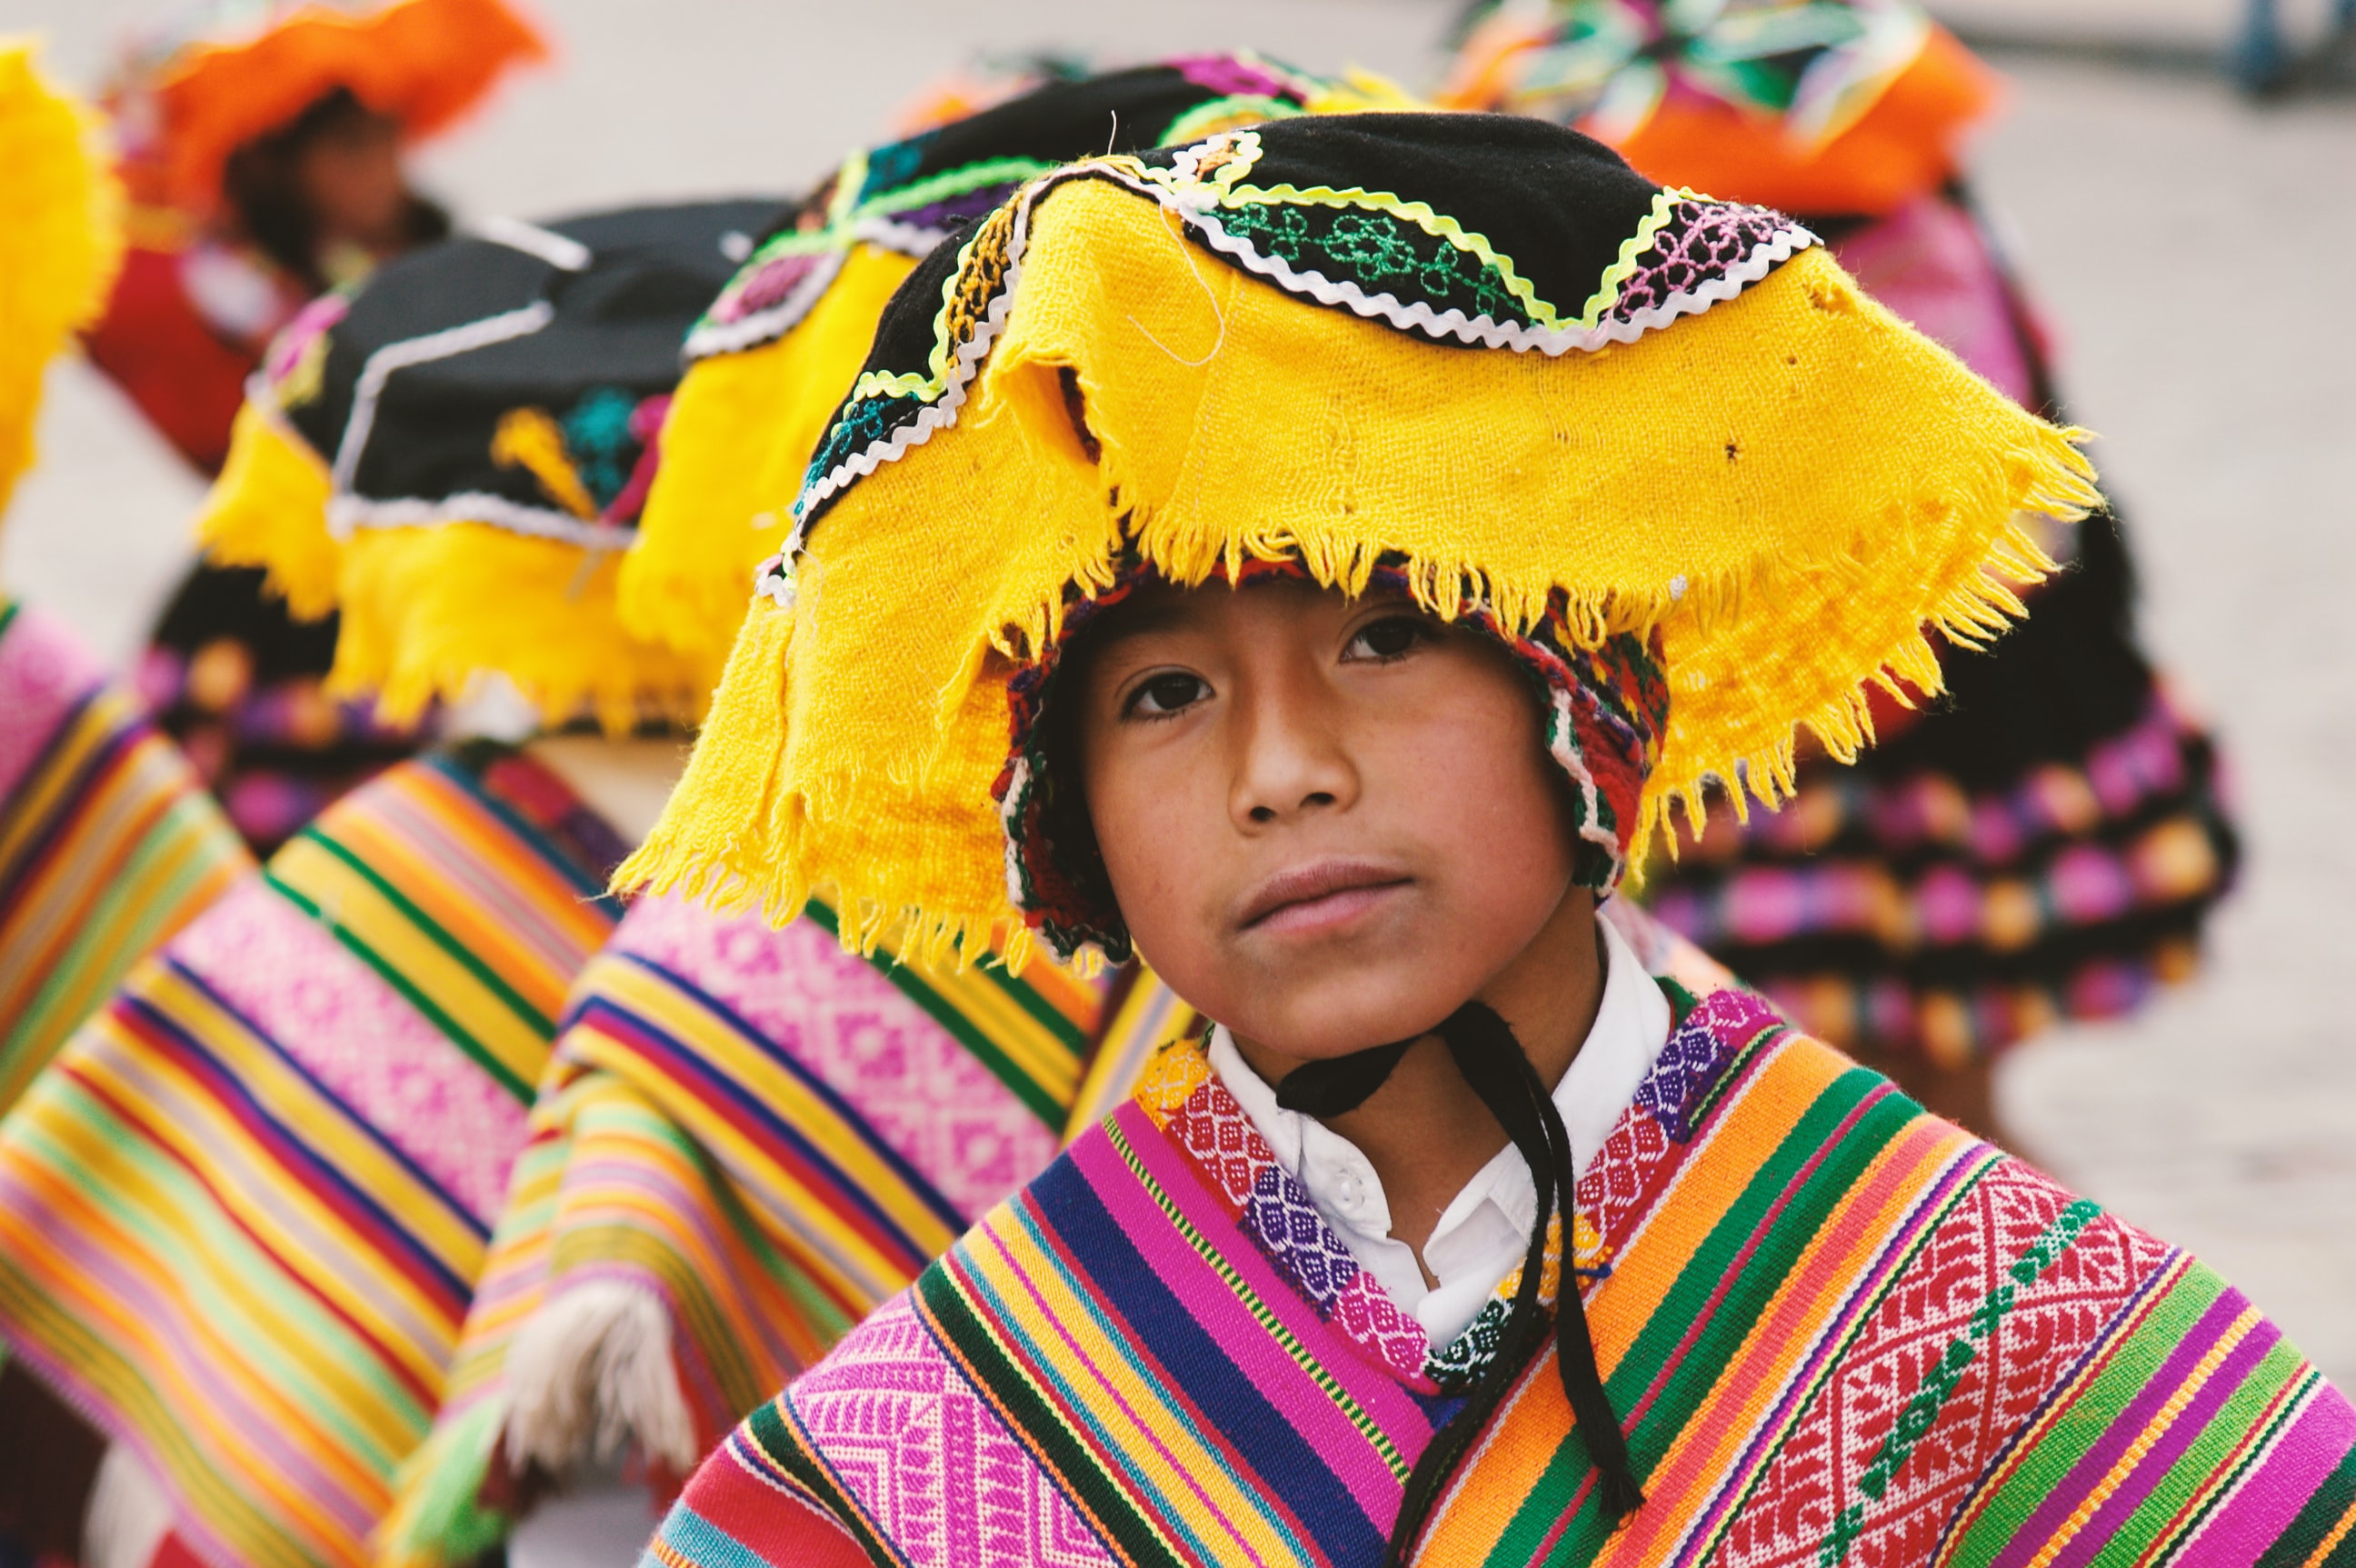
x=768 y=363
x=454 y=454
x=1477 y=355
x=60 y=243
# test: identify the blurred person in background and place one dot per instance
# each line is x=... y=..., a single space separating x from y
x=263 y=146
x=108 y=842
x=2044 y=842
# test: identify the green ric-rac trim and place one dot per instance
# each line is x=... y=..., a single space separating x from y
x=1193 y=124
x=1632 y=251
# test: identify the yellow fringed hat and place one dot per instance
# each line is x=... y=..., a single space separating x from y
x=59 y=246
x=1633 y=430
x=768 y=363
x=454 y=454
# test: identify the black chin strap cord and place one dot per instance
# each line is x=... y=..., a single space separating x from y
x=1494 y=1063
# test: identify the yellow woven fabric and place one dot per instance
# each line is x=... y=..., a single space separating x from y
x=739 y=433
x=268 y=509
x=59 y=247
x=1787 y=487
x=427 y=610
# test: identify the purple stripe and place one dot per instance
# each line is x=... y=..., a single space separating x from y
x=2280 y=1484
x=2188 y=1425
x=90 y=1270
x=1240 y=1336
x=46 y=675
x=2096 y=1462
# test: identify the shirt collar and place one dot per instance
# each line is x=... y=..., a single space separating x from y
x=1486 y=1228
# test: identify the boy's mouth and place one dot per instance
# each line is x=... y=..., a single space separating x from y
x=1319 y=896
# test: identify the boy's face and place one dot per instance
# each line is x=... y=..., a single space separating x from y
x=1329 y=822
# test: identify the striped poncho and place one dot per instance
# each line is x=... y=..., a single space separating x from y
x=1838 y=1331
x=243 y=1211
x=747 y=1139
x=108 y=843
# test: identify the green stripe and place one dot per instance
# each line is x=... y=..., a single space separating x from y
x=2216 y=1487
x=197 y=1246
x=2202 y=1458
x=953 y=182
x=590 y=882
x=965 y=1327
x=1026 y=995
x=192 y=828
x=2331 y=1503
x=507 y=1077
x=1034 y=1096
x=2089 y=1416
x=1712 y=1265
x=784 y=1446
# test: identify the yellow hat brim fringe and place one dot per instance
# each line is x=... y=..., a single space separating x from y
x=268 y=509
x=739 y=434
x=427 y=611
x=1788 y=487
x=59 y=246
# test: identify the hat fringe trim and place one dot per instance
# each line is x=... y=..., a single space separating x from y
x=428 y=612
x=268 y=508
x=734 y=832
x=737 y=829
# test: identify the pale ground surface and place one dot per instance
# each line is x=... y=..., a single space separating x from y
x=2197 y=251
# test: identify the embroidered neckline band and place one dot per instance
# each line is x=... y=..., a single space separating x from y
x=454 y=454
x=1491 y=1059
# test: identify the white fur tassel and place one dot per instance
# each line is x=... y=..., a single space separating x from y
x=591 y=1372
x=129 y=1513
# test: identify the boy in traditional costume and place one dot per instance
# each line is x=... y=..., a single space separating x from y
x=2047 y=842
x=747 y=1138
x=1364 y=528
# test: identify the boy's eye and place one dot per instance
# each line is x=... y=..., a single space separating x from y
x=1165 y=695
x=1393 y=637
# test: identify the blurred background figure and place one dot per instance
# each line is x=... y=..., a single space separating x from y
x=262 y=148
x=107 y=842
x=2045 y=840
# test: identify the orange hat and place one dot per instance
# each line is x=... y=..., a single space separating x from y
x=191 y=94
x=1817 y=106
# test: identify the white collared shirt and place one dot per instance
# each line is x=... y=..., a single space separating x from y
x=1485 y=1229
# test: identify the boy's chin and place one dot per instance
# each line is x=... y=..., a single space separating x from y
x=1320 y=1023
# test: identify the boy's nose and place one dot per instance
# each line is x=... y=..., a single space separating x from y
x=1289 y=760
